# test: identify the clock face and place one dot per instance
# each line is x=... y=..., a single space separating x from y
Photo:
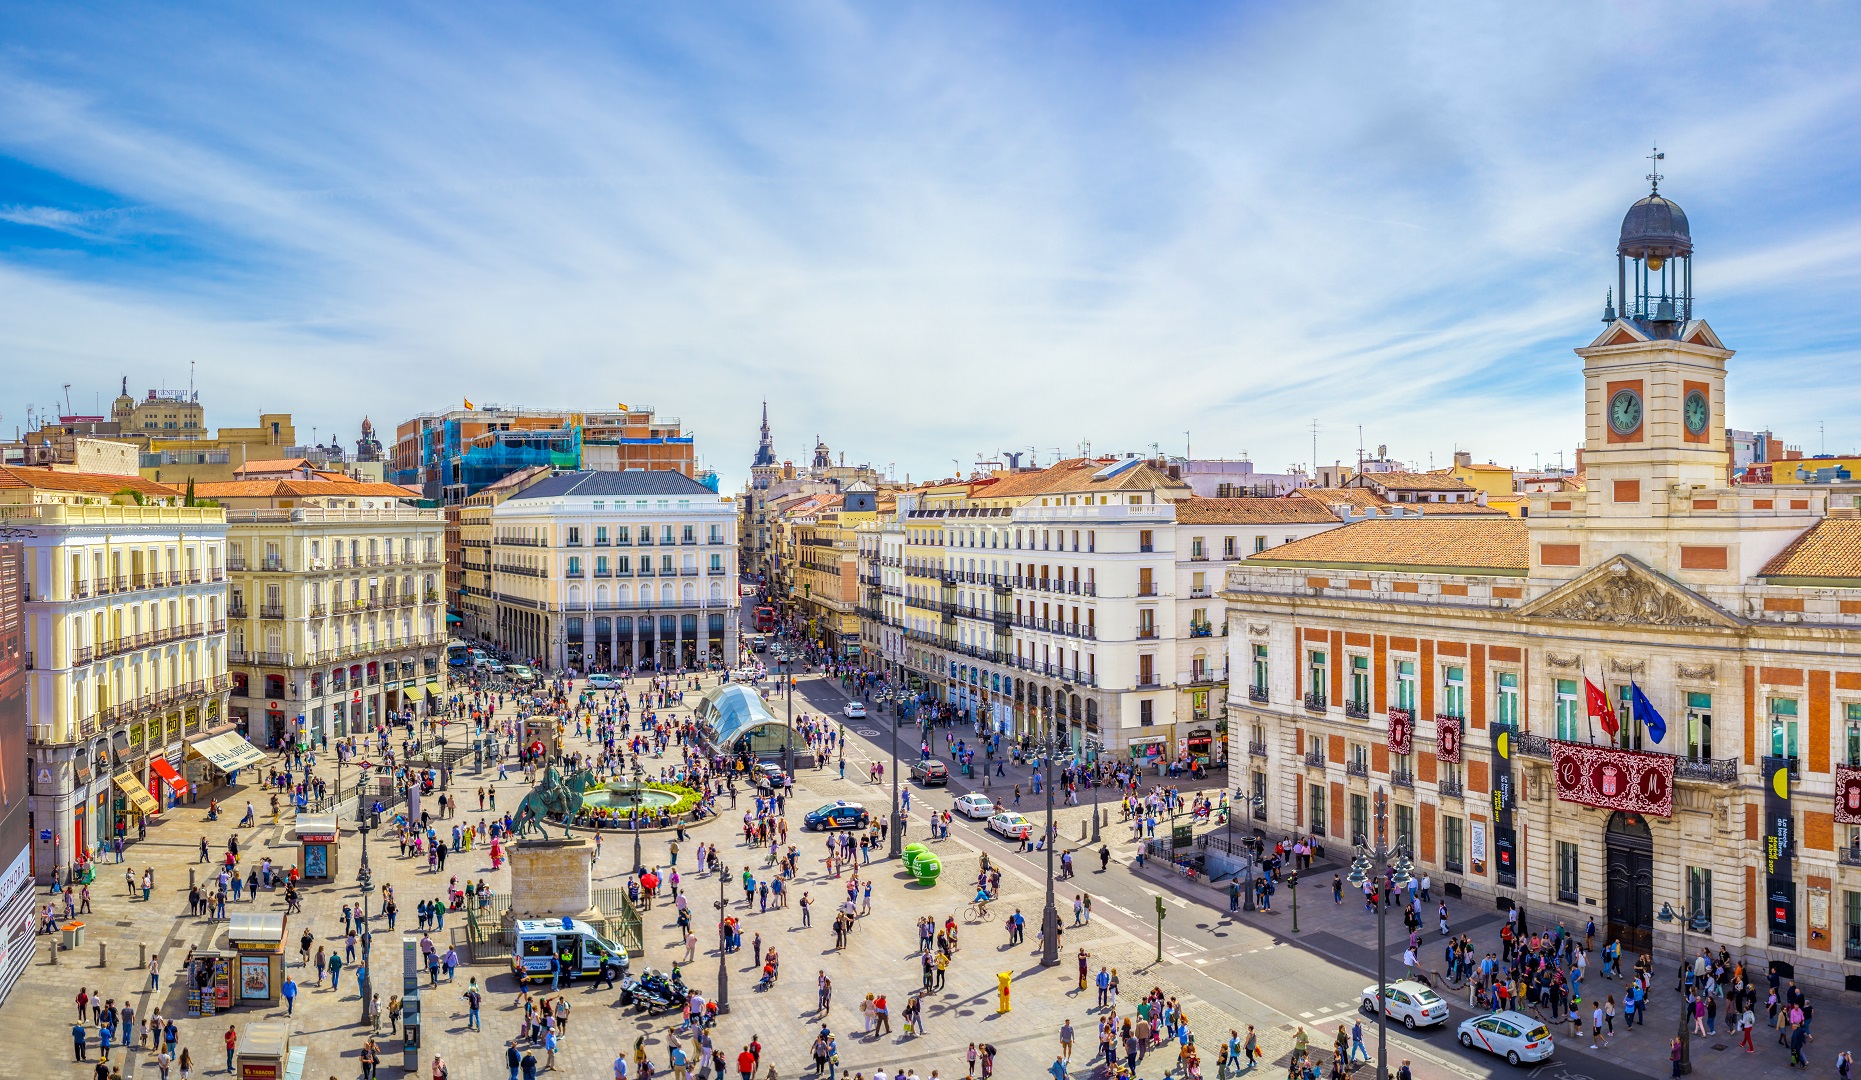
x=1625 y=412
x=1697 y=413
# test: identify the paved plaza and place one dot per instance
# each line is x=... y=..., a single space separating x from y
x=1228 y=972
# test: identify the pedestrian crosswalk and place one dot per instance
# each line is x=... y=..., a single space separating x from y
x=1323 y=1011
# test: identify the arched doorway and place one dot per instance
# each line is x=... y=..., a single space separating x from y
x=1630 y=877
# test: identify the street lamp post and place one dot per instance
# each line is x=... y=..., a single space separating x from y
x=1093 y=747
x=896 y=832
x=723 y=967
x=1292 y=885
x=1050 y=742
x=639 y=778
x=1377 y=859
x=788 y=743
x=1700 y=924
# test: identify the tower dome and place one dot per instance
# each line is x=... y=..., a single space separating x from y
x=1654 y=262
x=1655 y=228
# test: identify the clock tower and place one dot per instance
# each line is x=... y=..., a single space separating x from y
x=1654 y=379
x=1656 y=482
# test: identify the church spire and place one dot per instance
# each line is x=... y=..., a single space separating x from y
x=765 y=449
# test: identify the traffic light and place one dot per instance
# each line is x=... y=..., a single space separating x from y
x=1160 y=909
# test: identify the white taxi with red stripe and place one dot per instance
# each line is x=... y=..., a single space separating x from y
x=1511 y=1035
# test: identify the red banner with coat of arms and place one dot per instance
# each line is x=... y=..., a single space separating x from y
x=1614 y=779
x=1447 y=739
x=1401 y=731
x=1848 y=794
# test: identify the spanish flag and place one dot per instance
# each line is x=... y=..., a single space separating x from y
x=469 y=405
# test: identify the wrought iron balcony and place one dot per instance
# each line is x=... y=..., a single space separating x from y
x=1707 y=770
x=1402 y=779
x=1451 y=789
x=1315 y=702
x=1257 y=694
x=1315 y=758
x=1257 y=749
x=1357 y=710
x=1357 y=768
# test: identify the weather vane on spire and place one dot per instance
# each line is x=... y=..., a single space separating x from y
x=1654 y=177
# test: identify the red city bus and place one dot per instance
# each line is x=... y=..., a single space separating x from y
x=765 y=619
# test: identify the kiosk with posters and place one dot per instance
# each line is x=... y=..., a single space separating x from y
x=210 y=981
x=257 y=939
x=264 y=1051
x=316 y=858
x=1149 y=751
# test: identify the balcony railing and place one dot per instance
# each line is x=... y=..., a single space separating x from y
x=1315 y=702
x=1357 y=768
x=1257 y=694
x=1146 y=633
x=1402 y=779
x=1315 y=758
x=1257 y=749
x=271 y=611
x=1357 y=710
x=1451 y=789
x=1848 y=855
x=1152 y=679
x=1708 y=770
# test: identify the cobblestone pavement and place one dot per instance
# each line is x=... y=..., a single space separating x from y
x=1230 y=972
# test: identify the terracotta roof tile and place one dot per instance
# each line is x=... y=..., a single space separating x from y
x=1247 y=511
x=1413 y=481
x=1830 y=549
x=80 y=483
x=1454 y=543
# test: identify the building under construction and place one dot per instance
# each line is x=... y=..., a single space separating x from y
x=455 y=454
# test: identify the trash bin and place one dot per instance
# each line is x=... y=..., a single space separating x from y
x=73 y=935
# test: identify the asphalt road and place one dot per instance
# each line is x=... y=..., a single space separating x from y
x=1257 y=972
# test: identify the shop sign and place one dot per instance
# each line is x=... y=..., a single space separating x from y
x=317 y=838
x=1614 y=779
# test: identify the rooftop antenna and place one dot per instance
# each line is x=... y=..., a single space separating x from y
x=67 y=399
x=191 y=394
x=1314 y=445
x=1360 y=448
x=1186 y=447
x=1654 y=173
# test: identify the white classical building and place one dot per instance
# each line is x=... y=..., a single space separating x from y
x=616 y=571
x=125 y=638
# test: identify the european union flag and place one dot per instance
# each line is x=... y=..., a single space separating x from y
x=1645 y=712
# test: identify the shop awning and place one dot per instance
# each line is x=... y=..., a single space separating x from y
x=433 y=690
x=227 y=752
x=451 y=618
x=137 y=795
x=168 y=774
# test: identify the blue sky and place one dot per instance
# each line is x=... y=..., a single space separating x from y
x=924 y=232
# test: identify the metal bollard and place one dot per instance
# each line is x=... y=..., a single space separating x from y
x=103 y=956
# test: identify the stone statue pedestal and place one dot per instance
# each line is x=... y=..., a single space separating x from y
x=551 y=879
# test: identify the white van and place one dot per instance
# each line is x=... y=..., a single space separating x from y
x=540 y=941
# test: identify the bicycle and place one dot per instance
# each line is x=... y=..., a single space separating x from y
x=976 y=913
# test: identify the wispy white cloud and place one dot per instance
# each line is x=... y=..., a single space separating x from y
x=926 y=232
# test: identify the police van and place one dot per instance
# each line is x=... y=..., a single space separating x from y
x=539 y=941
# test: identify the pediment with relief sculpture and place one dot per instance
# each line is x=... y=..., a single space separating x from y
x=1625 y=592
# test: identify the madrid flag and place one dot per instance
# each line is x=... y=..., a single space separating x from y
x=1600 y=710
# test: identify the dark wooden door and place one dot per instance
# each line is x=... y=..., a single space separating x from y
x=1631 y=897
